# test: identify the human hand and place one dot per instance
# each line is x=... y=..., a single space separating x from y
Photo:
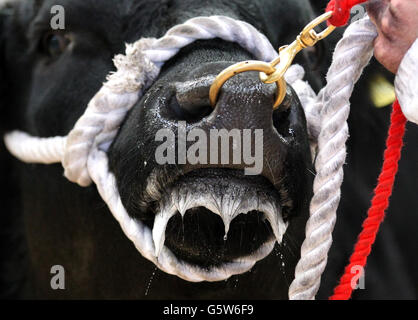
x=397 y=25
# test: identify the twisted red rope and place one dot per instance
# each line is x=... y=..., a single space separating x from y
x=341 y=15
x=380 y=203
x=341 y=11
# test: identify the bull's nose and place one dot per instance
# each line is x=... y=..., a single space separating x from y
x=244 y=99
x=244 y=106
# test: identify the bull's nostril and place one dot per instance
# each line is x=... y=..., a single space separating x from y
x=191 y=101
x=281 y=122
x=281 y=117
x=190 y=114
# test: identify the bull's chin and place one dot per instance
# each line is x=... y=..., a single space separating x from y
x=210 y=218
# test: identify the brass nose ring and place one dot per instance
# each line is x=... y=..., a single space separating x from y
x=245 y=66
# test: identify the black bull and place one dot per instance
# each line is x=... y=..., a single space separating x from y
x=47 y=79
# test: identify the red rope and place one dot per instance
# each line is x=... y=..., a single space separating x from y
x=380 y=203
x=341 y=11
x=341 y=15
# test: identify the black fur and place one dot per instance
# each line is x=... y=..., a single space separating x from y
x=12 y=245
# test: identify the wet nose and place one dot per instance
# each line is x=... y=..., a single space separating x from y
x=244 y=100
x=244 y=105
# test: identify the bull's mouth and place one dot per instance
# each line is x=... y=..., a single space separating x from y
x=211 y=217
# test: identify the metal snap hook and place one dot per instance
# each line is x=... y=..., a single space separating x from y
x=275 y=71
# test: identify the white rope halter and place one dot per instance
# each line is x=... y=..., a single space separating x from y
x=83 y=152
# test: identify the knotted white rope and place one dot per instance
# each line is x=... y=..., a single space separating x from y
x=83 y=152
x=351 y=56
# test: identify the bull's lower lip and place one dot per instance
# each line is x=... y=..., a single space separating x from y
x=214 y=216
